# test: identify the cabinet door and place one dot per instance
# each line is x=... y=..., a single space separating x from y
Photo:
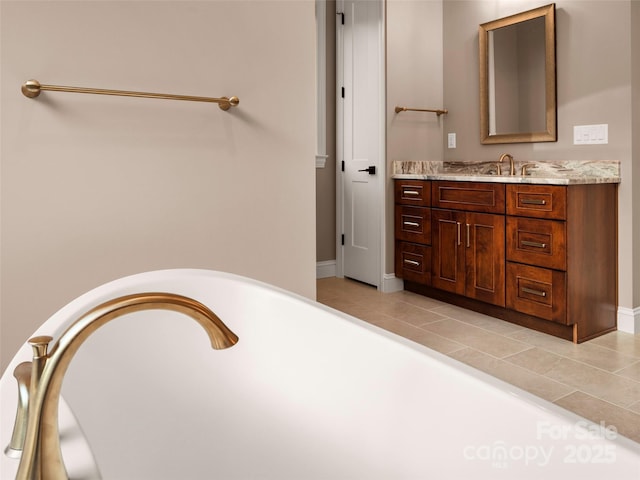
x=485 y=257
x=448 y=263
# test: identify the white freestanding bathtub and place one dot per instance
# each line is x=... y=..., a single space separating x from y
x=307 y=393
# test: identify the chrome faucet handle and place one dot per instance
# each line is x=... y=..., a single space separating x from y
x=22 y=373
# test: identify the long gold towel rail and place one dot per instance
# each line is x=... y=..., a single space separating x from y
x=437 y=112
x=32 y=88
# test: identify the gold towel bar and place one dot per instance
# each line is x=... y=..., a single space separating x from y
x=32 y=89
x=404 y=109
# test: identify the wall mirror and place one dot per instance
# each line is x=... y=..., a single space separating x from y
x=518 y=78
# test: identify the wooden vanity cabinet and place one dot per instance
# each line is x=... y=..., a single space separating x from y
x=541 y=256
x=468 y=244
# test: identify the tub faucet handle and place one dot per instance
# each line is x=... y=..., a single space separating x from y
x=22 y=373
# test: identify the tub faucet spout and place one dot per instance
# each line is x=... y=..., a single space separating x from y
x=41 y=456
x=512 y=167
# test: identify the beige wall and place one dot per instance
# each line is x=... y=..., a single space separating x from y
x=594 y=52
x=414 y=79
x=94 y=188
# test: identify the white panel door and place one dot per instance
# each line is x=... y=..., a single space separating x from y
x=362 y=139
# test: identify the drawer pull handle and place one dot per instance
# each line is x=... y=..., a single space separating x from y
x=539 y=293
x=533 y=201
x=410 y=192
x=411 y=224
x=468 y=239
x=412 y=262
x=533 y=244
x=459 y=241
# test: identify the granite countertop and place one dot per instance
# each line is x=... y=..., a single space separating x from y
x=550 y=173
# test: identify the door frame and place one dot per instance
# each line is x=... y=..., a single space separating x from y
x=380 y=196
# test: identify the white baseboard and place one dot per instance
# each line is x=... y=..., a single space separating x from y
x=391 y=284
x=629 y=320
x=326 y=269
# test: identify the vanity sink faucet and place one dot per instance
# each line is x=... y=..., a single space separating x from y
x=512 y=167
x=41 y=457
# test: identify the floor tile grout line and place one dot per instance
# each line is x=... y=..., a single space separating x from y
x=627 y=366
x=416 y=326
x=576 y=390
x=604 y=400
x=581 y=362
x=607 y=372
x=462 y=345
x=566 y=395
x=637 y=358
x=478 y=327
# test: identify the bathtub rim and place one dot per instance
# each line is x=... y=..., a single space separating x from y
x=135 y=284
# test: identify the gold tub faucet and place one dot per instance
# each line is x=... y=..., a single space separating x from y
x=41 y=457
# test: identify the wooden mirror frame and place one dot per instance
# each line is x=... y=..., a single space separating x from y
x=550 y=134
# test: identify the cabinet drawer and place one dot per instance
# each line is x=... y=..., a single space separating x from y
x=413 y=224
x=413 y=262
x=470 y=196
x=540 y=292
x=413 y=192
x=537 y=242
x=540 y=201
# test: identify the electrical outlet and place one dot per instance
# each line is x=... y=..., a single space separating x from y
x=451 y=140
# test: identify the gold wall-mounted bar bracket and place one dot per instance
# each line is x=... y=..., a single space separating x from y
x=407 y=109
x=32 y=88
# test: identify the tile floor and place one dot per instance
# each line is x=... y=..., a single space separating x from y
x=598 y=379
